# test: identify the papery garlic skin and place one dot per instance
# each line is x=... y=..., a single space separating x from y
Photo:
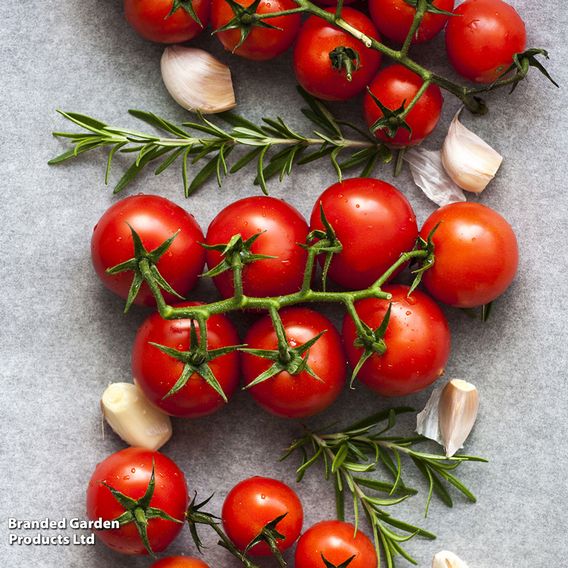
x=131 y=415
x=447 y=559
x=196 y=80
x=469 y=161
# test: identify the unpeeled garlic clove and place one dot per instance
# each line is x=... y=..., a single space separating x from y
x=133 y=418
x=447 y=559
x=196 y=80
x=469 y=161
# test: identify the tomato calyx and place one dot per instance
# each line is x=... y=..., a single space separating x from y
x=345 y=59
x=270 y=535
x=187 y=6
x=430 y=7
x=344 y=564
x=144 y=265
x=392 y=119
x=139 y=511
x=522 y=62
x=427 y=261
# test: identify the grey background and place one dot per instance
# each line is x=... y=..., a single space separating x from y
x=63 y=337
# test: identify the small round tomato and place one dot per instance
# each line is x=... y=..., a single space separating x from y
x=129 y=472
x=156 y=372
x=337 y=542
x=476 y=255
x=393 y=19
x=155 y=219
x=261 y=43
x=373 y=221
x=180 y=562
x=395 y=87
x=417 y=340
x=330 y=63
x=296 y=395
x=282 y=230
x=483 y=37
x=154 y=20
x=255 y=502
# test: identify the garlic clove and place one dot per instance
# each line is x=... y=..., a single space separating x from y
x=469 y=161
x=447 y=559
x=131 y=415
x=196 y=80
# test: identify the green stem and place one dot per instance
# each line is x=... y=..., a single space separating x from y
x=418 y=16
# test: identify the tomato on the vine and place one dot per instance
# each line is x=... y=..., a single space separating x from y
x=373 y=221
x=156 y=220
x=395 y=87
x=167 y=21
x=281 y=229
x=393 y=19
x=180 y=562
x=296 y=395
x=157 y=373
x=129 y=472
x=256 y=502
x=330 y=63
x=483 y=37
x=264 y=38
x=337 y=542
x=417 y=340
x=476 y=255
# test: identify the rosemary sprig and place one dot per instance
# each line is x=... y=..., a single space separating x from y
x=273 y=145
x=369 y=445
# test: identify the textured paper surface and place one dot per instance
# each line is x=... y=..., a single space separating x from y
x=63 y=337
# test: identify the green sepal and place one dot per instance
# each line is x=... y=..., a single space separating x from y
x=522 y=62
x=392 y=119
x=270 y=535
x=187 y=6
x=431 y=7
x=345 y=59
x=195 y=516
x=344 y=564
x=425 y=263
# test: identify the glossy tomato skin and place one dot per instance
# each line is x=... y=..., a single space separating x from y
x=262 y=43
x=393 y=86
x=374 y=222
x=297 y=396
x=180 y=562
x=150 y=19
x=155 y=219
x=417 y=339
x=156 y=372
x=129 y=472
x=393 y=19
x=476 y=255
x=312 y=62
x=483 y=37
x=334 y=540
x=283 y=228
x=255 y=502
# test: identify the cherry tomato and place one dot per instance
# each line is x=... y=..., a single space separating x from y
x=396 y=86
x=476 y=255
x=153 y=21
x=483 y=37
x=337 y=542
x=255 y=502
x=393 y=19
x=156 y=373
x=417 y=339
x=155 y=219
x=262 y=43
x=330 y=63
x=282 y=228
x=129 y=471
x=374 y=222
x=179 y=562
x=300 y=395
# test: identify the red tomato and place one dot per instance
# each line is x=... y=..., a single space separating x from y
x=476 y=255
x=483 y=37
x=261 y=43
x=152 y=19
x=255 y=502
x=417 y=339
x=336 y=541
x=301 y=395
x=156 y=372
x=282 y=228
x=179 y=562
x=321 y=51
x=393 y=19
x=129 y=471
x=155 y=219
x=394 y=86
x=374 y=222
